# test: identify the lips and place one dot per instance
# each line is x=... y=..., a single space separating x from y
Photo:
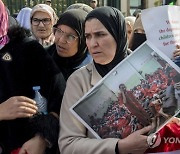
x=96 y=52
x=41 y=30
x=60 y=48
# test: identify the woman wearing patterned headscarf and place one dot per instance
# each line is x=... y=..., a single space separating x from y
x=43 y=18
x=3 y=26
x=70 y=50
x=106 y=39
x=24 y=64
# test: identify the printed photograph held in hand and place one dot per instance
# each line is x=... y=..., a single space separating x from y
x=142 y=90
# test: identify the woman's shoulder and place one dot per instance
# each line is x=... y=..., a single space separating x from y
x=80 y=81
x=86 y=75
x=86 y=61
x=83 y=72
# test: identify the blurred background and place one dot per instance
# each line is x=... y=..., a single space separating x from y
x=128 y=7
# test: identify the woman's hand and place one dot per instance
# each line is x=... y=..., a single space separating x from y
x=175 y=120
x=36 y=145
x=17 y=107
x=176 y=53
x=135 y=143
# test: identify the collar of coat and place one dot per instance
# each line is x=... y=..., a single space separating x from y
x=95 y=77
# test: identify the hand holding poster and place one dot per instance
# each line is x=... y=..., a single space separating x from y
x=161 y=25
x=132 y=96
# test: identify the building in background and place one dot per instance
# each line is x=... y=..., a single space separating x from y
x=129 y=6
x=126 y=6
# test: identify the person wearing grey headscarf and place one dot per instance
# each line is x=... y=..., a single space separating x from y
x=82 y=6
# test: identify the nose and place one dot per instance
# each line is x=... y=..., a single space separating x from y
x=93 y=42
x=41 y=24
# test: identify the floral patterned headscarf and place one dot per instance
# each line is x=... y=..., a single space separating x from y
x=3 y=25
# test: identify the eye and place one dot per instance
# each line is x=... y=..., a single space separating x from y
x=101 y=34
x=136 y=31
x=59 y=31
x=87 y=36
x=46 y=21
x=71 y=37
x=35 y=20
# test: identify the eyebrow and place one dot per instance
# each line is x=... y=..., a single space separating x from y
x=96 y=32
x=41 y=18
x=68 y=33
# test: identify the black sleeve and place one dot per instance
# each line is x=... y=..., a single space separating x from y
x=45 y=73
x=56 y=93
x=47 y=126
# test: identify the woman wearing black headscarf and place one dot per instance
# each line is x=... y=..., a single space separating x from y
x=70 y=51
x=106 y=40
x=23 y=65
x=138 y=35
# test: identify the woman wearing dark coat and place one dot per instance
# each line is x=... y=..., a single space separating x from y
x=70 y=55
x=24 y=64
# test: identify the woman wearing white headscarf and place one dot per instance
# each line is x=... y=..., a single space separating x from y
x=43 y=18
x=23 y=17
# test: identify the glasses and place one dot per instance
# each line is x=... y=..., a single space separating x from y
x=93 y=1
x=70 y=38
x=45 y=21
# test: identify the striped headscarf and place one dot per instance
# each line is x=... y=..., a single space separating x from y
x=3 y=25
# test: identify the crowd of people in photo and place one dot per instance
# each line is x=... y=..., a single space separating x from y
x=66 y=56
x=118 y=121
x=154 y=83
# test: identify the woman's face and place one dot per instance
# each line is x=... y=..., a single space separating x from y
x=139 y=30
x=101 y=44
x=93 y=4
x=66 y=40
x=44 y=28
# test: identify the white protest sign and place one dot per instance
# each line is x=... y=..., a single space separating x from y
x=162 y=27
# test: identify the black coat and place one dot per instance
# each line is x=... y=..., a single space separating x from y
x=24 y=64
